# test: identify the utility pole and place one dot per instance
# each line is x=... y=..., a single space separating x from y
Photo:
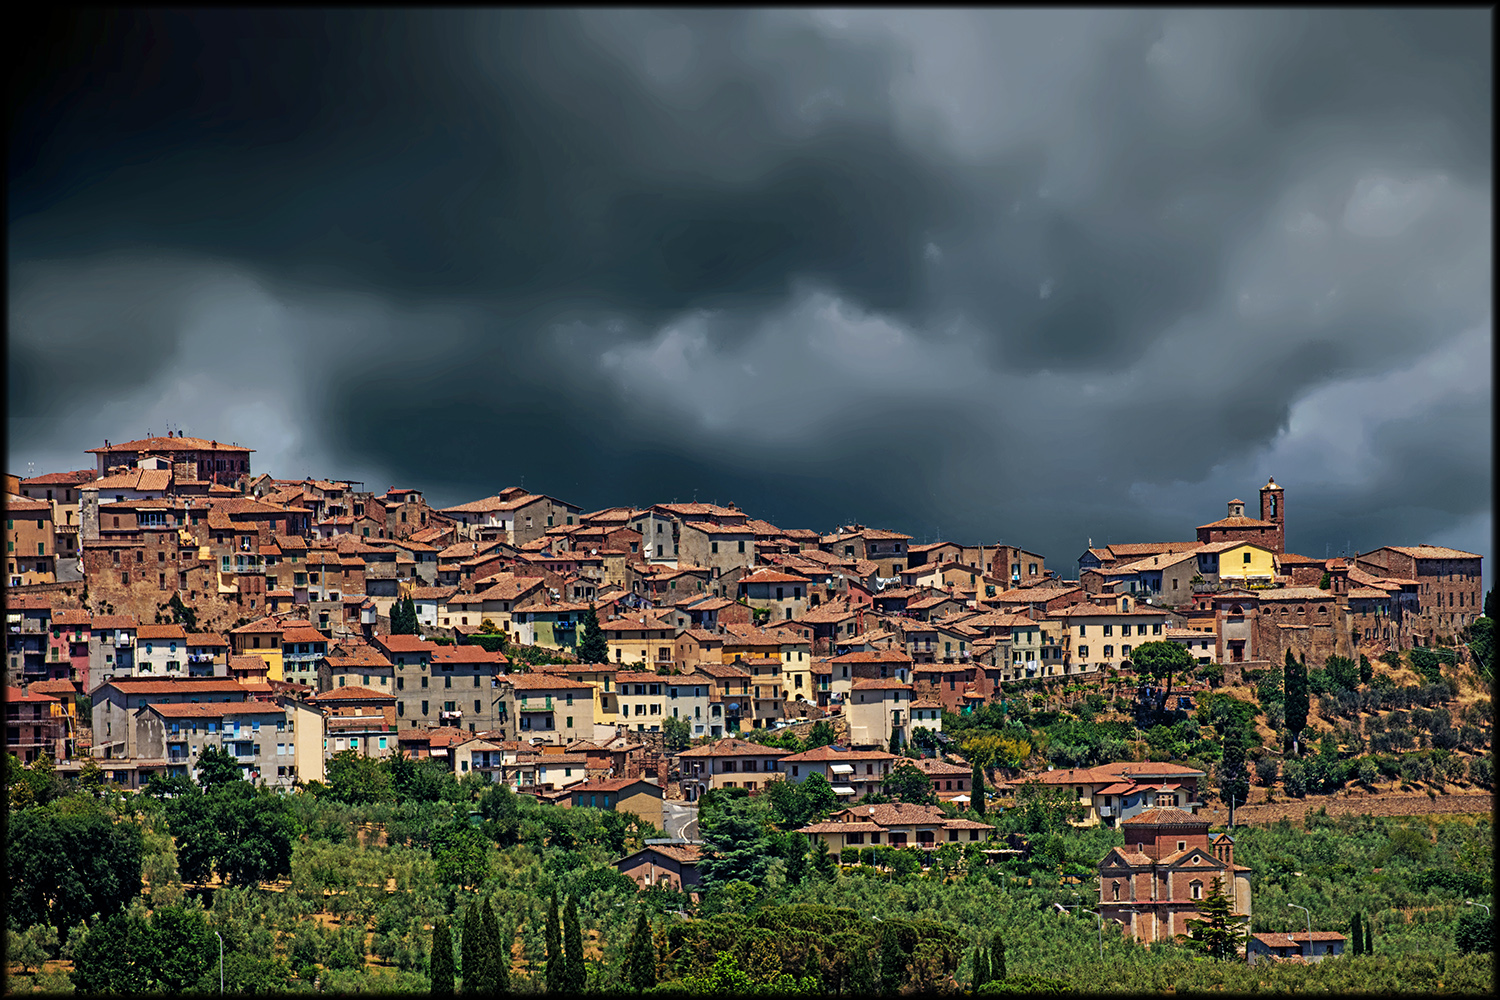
x=1308 y=912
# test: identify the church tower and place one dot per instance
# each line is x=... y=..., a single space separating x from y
x=1273 y=509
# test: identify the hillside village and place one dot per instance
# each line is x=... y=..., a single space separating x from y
x=172 y=566
x=630 y=657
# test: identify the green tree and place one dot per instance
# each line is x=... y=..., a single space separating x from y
x=497 y=954
x=997 y=958
x=118 y=955
x=575 y=975
x=1326 y=581
x=821 y=734
x=796 y=858
x=1294 y=684
x=1475 y=932
x=440 y=964
x=895 y=745
x=639 y=971
x=1162 y=661
x=217 y=767
x=257 y=832
x=555 y=971
x=822 y=862
x=32 y=947
x=735 y=848
x=978 y=793
x=892 y=961
x=185 y=945
x=63 y=867
x=1220 y=934
x=461 y=858
x=1366 y=669
x=981 y=966
x=676 y=734
x=908 y=783
x=247 y=974
x=471 y=949
x=1343 y=672
x=1234 y=776
x=357 y=779
x=1357 y=934
x=592 y=646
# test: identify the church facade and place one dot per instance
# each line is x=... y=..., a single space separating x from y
x=1156 y=883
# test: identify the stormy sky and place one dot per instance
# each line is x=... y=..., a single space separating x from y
x=1032 y=276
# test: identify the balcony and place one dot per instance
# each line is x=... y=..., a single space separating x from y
x=200 y=657
x=535 y=705
x=123 y=641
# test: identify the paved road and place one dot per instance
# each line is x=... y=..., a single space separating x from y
x=680 y=819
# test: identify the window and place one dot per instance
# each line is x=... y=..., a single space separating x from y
x=1109 y=651
x=1247 y=557
x=742 y=546
x=1110 y=630
x=1197 y=888
x=1083 y=652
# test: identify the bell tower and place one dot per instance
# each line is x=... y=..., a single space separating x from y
x=1273 y=509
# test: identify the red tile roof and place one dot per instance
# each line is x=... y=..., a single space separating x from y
x=732 y=747
x=353 y=693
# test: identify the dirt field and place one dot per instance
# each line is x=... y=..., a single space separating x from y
x=1357 y=802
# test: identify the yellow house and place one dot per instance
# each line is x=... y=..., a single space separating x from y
x=263 y=639
x=642 y=638
x=1247 y=564
x=600 y=677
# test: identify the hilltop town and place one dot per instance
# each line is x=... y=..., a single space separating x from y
x=172 y=599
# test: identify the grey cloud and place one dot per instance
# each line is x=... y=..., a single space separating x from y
x=1031 y=272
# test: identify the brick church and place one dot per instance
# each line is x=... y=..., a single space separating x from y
x=1156 y=882
x=1268 y=530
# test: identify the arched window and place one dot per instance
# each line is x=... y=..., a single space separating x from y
x=1301 y=610
x=1115 y=889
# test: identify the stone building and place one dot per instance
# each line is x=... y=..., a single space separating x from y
x=1156 y=883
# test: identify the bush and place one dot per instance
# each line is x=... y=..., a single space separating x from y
x=1482 y=772
x=1294 y=778
x=1266 y=769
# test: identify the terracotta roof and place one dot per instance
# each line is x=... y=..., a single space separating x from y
x=405 y=644
x=260 y=626
x=772 y=576
x=876 y=684
x=1368 y=592
x=540 y=682
x=56 y=687
x=821 y=754
x=215 y=709
x=1296 y=594
x=611 y=784
x=303 y=634
x=687 y=854
x=70 y=618
x=1282 y=939
x=61 y=478
x=15 y=694
x=1166 y=815
x=842 y=828
x=896 y=814
x=353 y=693
x=468 y=654
x=186 y=686
x=874 y=656
x=731 y=747
x=932 y=765
x=1432 y=552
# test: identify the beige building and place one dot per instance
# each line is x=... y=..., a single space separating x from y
x=728 y=763
x=877 y=710
x=546 y=708
x=894 y=825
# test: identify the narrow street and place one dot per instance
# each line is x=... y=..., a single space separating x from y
x=680 y=820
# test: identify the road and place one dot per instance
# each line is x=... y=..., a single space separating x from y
x=680 y=819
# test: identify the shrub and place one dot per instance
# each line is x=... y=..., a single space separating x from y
x=1266 y=769
x=1294 y=778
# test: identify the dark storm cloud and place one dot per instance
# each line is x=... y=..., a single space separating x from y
x=1046 y=275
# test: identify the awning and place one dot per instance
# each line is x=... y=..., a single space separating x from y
x=843 y=790
x=842 y=768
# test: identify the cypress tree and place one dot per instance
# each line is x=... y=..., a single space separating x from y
x=555 y=973
x=592 y=646
x=1369 y=944
x=822 y=862
x=1357 y=934
x=440 y=965
x=892 y=962
x=471 y=949
x=497 y=954
x=573 y=948
x=895 y=746
x=639 y=972
x=796 y=858
x=861 y=971
x=1294 y=677
x=978 y=784
x=997 y=959
x=1234 y=776
x=981 y=965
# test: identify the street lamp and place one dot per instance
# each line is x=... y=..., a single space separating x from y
x=221 y=962
x=1100 y=917
x=1133 y=911
x=1470 y=902
x=1309 y=925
